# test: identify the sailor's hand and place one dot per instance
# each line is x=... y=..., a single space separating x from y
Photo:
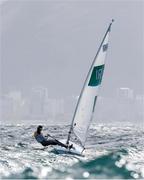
x=47 y=135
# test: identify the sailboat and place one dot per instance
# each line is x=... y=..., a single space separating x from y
x=85 y=107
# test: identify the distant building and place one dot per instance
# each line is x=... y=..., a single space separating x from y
x=6 y=107
x=54 y=107
x=38 y=98
x=140 y=97
x=125 y=93
x=16 y=97
x=70 y=104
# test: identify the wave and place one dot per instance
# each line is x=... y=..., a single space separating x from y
x=111 y=153
x=110 y=166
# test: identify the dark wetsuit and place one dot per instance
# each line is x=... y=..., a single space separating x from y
x=41 y=139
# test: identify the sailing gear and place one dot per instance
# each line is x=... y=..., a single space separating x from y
x=39 y=137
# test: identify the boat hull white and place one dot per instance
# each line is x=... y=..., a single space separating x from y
x=75 y=150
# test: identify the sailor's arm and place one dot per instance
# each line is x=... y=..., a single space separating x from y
x=47 y=135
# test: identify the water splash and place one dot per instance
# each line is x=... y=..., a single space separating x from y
x=112 y=152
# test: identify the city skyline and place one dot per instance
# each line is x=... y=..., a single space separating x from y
x=38 y=106
x=49 y=46
x=52 y=44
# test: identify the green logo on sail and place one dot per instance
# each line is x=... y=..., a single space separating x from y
x=96 y=76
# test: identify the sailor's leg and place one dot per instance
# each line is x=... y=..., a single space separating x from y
x=61 y=144
x=64 y=145
x=53 y=142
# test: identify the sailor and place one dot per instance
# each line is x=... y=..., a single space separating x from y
x=43 y=139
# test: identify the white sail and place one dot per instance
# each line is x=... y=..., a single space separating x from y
x=87 y=99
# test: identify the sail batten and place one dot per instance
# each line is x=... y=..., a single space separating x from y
x=87 y=100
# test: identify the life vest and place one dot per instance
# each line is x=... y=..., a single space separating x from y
x=39 y=137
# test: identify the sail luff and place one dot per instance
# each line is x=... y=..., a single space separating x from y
x=85 y=83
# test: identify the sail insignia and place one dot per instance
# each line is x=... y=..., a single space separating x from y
x=96 y=76
x=105 y=47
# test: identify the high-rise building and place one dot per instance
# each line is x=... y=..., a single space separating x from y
x=125 y=93
x=38 y=99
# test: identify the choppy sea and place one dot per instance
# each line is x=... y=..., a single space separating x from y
x=113 y=151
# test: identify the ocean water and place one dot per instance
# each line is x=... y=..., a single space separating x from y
x=113 y=151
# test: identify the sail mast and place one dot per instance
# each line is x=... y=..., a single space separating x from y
x=79 y=99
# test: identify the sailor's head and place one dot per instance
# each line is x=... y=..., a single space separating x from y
x=39 y=128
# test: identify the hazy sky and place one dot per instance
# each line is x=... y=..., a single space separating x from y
x=52 y=44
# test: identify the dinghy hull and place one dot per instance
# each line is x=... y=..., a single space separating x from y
x=75 y=150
